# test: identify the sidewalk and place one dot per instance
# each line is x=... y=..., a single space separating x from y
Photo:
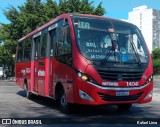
x=11 y=79
x=8 y=79
x=156 y=96
x=156 y=76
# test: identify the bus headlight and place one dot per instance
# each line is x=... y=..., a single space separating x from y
x=149 y=80
x=85 y=77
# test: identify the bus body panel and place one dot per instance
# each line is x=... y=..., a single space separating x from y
x=41 y=72
x=63 y=74
x=47 y=73
x=47 y=77
x=32 y=82
x=22 y=72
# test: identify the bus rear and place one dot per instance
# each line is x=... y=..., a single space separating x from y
x=111 y=61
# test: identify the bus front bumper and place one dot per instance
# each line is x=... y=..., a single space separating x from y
x=92 y=94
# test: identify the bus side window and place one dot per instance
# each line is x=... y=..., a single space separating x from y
x=64 y=41
x=60 y=41
x=27 y=50
x=64 y=44
x=52 y=34
x=37 y=43
x=43 y=44
x=20 y=52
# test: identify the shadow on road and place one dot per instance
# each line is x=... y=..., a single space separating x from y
x=84 y=110
x=48 y=102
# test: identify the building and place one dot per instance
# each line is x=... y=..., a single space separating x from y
x=148 y=21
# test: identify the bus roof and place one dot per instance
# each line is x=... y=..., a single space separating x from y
x=100 y=17
x=38 y=29
x=63 y=15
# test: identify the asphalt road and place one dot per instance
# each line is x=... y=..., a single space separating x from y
x=13 y=104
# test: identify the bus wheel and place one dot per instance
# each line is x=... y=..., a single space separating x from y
x=124 y=106
x=27 y=93
x=65 y=107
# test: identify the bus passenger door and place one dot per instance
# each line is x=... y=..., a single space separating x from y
x=42 y=64
x=52 y=47
x=36 y=55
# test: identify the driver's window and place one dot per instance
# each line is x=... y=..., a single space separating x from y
x=64 y=41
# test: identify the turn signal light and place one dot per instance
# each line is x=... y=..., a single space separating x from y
x=85 y=77
x=150 y=79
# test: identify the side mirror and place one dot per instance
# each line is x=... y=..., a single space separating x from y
x=65 y=22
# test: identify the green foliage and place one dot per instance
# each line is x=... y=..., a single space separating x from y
x=156 y=53
x=156 y=66
x=80 y=6
x=156 y=60
x=6 y=59
x=33 y=14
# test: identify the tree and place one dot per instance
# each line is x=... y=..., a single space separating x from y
x=156 y=53
x=7 y=60
x=156 y=60
x=33 y=14
x=51 y=10
x=156 y=66
x=80 y=6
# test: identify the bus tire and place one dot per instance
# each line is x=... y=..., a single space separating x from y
x=27 y=93
x=124 y=107
x=65 y=107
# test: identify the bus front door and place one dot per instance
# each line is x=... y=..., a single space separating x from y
x=36 y=56
x=52 y=47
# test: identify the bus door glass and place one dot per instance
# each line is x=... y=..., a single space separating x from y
x=36 y=56
x=41 y=66
x=52 y=48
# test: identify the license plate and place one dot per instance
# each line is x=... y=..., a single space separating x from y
x=122 y=93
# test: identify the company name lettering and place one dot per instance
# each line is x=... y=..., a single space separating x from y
x=109 y=83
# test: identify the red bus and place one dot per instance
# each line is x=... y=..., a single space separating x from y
x=85 y=59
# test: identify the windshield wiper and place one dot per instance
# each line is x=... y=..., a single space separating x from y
x=113 y=38
x=135 y=50
x=111 y=50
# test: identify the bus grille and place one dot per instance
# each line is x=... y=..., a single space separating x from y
x=119 y=98
x=119 y=76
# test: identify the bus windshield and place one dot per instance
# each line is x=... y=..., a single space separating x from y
x=109 y=40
